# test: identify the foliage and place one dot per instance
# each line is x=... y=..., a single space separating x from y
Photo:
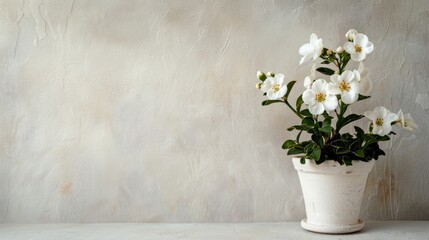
x=320 y=122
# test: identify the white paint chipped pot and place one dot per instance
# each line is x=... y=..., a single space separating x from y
x=332 y=194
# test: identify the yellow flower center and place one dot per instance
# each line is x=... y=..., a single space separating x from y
x=358 y=48
x=320 y=97
x=344 y=86
x=379 y=121
x=276 y=87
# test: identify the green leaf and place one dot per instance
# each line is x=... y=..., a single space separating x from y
x=300 y=127
x=325 y=129
x=326 y=71
x=347 y=161
x=308 y=121
x=306 y=113
x=325 y=62
x=315 y=155
x=326 y=116
x=302 y=160
x=355 y=145
x=342 y=150
x=317 y=139
x=326 y=126
x=298 y=136
x=293 y=151
x=359 y=132
x=362 y=97
x=360 y=153
x=268 y=102
x=299 y=103
x=309 y=148
x=351 y=118
x=289 y=88
x=338 y=143
x=383 y=138
x=288 y=144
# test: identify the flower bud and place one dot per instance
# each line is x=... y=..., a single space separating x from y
x=340 y=49
x=329 y=52
x=270 y=74
x=259 y=85
x=261 y=76
x=350 y=35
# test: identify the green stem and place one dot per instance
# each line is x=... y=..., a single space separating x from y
x=293 y=110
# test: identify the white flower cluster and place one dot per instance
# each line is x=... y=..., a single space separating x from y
x=344 y=87
x=322 y=96
x=358 y=46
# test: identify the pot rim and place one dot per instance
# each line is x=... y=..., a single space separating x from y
x=333 y=167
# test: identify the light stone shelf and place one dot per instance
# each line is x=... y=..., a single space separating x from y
x=224 y=231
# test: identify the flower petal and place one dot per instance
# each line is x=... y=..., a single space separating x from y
x=331 y=103
x=279 y=78
x=282 y=91
x=357 y=75
x=305 y=49
x=361 y=40
x=390 y=117
x=387 y=128
x=361 y=67
x=369 y=48
x=365 y=86
x=313 y=39
x=319 y=85
x=333 y=89
x=358 y=56
x=266 y=86
x=347 y=76
x=349 y=97
x=370 y=115
x=380 y=112
x=349 y=47
x=307 y=82
x=354 y=86
x=316 y=109
x=377 y=130
x=308 y=97
x=336 y=79
x=305 y=59
x=272 y=96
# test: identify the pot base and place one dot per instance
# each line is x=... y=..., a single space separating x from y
x=332 y=229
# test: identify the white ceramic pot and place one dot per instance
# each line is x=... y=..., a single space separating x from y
x=332 y=194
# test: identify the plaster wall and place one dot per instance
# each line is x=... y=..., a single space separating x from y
x=146 y=111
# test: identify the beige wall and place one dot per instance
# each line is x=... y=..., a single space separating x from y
x=146 y=111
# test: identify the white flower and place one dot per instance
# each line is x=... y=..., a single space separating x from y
x=312 y=50
x=350 y=35
x=359 y=48
x=309 y=79
x=319 y=98
x=340 y=49
x=407 y=122
x=362 y=75
x=381 y=120
x=347 y=85
x=274 y=87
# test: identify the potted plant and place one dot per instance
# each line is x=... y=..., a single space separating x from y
x=333 y=165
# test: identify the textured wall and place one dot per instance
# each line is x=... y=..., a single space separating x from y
x=146 y=110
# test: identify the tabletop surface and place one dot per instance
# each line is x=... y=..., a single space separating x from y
x=130 y=231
